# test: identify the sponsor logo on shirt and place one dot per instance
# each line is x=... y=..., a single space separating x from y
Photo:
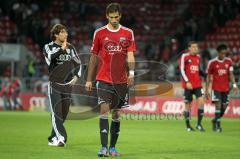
x=222 y=72
x=194 y=68
x=63 y=57
x=112 y=47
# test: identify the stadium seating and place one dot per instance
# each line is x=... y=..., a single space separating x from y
x=154 y=21
x=228 y=34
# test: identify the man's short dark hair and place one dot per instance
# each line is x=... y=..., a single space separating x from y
x=191 y=42
x=221 y=47
x=56 y=29
x=113 y=7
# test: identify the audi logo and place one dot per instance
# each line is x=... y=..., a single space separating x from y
x=173 y=107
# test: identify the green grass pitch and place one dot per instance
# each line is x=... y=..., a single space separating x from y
x=23 y=135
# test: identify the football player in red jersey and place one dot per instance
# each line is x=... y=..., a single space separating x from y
x=112 y=53
x=219 y=71
x=192 y=83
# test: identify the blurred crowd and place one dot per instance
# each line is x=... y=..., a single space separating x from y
x=33 y=20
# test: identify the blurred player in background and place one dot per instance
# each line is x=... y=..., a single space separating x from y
x=219 y=71
x=61 y=58
x=192 y=84
x=114 y=45
x=5 y=93
x=16 y=88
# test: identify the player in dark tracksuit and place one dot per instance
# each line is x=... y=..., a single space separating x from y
x=64 y=70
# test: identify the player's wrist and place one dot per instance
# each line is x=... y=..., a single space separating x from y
x=76 y=76
x=234 y=85
x=131 y=73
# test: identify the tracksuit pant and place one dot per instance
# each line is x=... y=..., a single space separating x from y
x=59 y=105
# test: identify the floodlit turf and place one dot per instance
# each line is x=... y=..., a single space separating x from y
x=23 y=135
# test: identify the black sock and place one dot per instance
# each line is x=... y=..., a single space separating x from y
x=187 y=118
x=115 y=130
x=200 y=115
x=104 y=128
x=223 y=109
x=217 y=114
x=217 y=117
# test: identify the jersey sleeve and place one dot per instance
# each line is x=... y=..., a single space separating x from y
x=132 y=46
x=51 y=53
x=231 y=66
x=209 y=69
x=96 y=43
x=182 y=68
x=77 y=62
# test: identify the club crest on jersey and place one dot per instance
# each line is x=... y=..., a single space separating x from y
x=68 y=51
x=122 y=39
x=189 y=61
x=125 y=43
x=226 y=65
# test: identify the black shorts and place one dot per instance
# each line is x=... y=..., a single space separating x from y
x=217 y=96
x=114 y=94
x=188 y=94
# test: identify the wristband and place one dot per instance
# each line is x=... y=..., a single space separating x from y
x=131 y=72
x=234 y=85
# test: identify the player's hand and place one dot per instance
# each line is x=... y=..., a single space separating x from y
x=235 y=91
x=189 y=85
x=130 y=81
x=207 y=95
x=73 y=81
x=88 y=86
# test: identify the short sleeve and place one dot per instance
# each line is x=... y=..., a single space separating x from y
x=96 y=43
x=132 y=46
x=210 y=68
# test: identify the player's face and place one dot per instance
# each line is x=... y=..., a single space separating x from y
x=222 y=54
x=194 y=49
x=114 y=19
x=62 y=36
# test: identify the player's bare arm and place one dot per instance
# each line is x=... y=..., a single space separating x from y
x=189 y=85
x=208 y=84
x=235 y=87
x=131 y=65
x=91 y=71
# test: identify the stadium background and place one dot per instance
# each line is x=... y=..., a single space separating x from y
x=162 y=30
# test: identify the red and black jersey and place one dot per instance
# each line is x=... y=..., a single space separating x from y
x=190 y=70
x=220 y=69
x=112 y=47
